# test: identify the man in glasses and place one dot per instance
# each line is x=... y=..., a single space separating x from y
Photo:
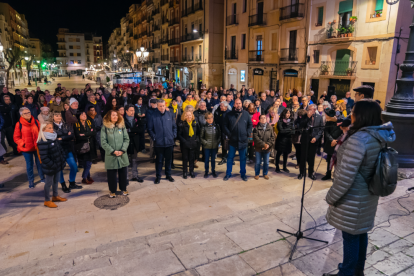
x=305 y=103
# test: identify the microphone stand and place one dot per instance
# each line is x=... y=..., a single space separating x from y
x=299 y=233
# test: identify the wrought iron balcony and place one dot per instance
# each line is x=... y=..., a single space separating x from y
x=289 y=54
x=174 y=21
x=174 y=59
x=230 y=54
x=232 y=20
x=257 y=19
x=257 y=55
x=155 y=46
x=292 y=11
x=338 y=68
x=164 y=57
x=157 y=60
x=192 y=36
x=198 y=58
x=198 y=5
x=156 y=28
x=174 y=41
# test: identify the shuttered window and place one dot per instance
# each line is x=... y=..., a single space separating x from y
x=274 y=41
x=320 y=16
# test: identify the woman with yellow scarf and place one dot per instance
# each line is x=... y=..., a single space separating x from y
x=188 y=133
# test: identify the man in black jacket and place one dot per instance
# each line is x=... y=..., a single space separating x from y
x=264 y=103
x=151 y=110
x=10 y=115
x=219 y=116
x=311 y=140
x=140 y=113
x=6 y=93
x=238 y=127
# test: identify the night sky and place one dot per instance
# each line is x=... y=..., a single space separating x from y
x=45 y=17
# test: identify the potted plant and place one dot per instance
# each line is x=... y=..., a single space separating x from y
x=349 y=71
x=373 y=62
x=350 y=30
x=353 y=19
x=324 y=69
x=378 y=13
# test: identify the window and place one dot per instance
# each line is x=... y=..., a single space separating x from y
x=200 y=27
x=192 y=52
x=72 y=62
x=372 y=56
x=320 y=17
x=79 y=61
x=274 y=41
x=259 y=42
x=71 y=54
x=243 y=41
x=79 y=54
x=316 y=54
x=78 y=40
x=242 y=75
x=70 y=46
x=244 y=5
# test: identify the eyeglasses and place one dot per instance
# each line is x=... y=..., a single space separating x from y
x=26 y=113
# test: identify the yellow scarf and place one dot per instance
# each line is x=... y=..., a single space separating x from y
x=94 y=102
x=287 y=99
x=175 y=107
x=191 y=132
x=167 y=101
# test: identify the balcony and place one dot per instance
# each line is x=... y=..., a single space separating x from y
x=232 y=20
x=230 y=55
x=171 y=3
x=292 y=11
x=156 y=28
x=192 y=36
x=157 y=60
x=198 y=58
x=174 y=21
x=174 y=41
x=289 y=54
x=174 y=59
x=144 y=33
x=338 y=68
x=164 y=2
x=156 y=11
x=257 y=19
x=198 y=5
x=155 y=46
x=165 y=40
x=164 y=57
x=164 y=20
x=256 y=55
x=135 y=36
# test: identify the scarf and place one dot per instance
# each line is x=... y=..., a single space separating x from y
x=93 y=103
x=175 y=107
x=59 y=125
x=130 y=119
x=339 y=142
x=92 y=114
x=190 y=126
x=50 y=136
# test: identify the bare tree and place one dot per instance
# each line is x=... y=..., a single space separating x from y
x=14 y=57
x=125 y=59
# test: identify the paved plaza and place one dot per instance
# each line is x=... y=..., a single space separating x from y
x=73 y=82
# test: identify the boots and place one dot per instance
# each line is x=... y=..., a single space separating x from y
x=58 y=198
x=65 y=189
x=327 y=176
x=50 y=204
x=90 y=179
x=86 y=181
x=72 y=185
x=213 y=173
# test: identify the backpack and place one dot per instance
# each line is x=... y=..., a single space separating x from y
x=384 y=181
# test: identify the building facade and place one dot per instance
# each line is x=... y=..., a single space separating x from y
x=264 y=45
x=356 y=42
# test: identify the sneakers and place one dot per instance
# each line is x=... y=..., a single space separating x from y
x=50 y=204
x=256 y=177
x=244 y=178
x=58 y=199
x=31 y=186
x=266 y=177
x=112 y=195
x=125 y=193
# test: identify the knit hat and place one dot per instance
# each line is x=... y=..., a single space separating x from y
x=44 y=108
x=330 y=112
x=72 y=100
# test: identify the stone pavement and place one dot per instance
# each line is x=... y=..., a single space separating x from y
x=73 y=82
x=189 y=227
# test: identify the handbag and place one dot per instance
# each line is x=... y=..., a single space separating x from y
x=82 y=148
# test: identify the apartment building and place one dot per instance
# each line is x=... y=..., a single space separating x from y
x=5 y=37
x=356 y=42
x=264 y=45
x=94 y=51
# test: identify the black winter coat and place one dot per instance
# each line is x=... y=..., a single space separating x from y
x=332 y=132
x=200 y=117
x=67 y=141
x=141 y=110
x=238 y=134
x=90 y=133
x=183 y=135
x=10 y=114
x=284 y=137
x=210 y=136
x=162 y=128
x=219 y=118
x=134 y=131
x=52 y=157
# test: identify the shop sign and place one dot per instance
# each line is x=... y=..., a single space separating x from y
x=258 y=72
x=242 y=75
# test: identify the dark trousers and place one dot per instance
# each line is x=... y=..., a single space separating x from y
x=112 y=179
x=309 y=158
x=161 y=154
x=285 y=157
x=102 y=151
x=7 y=133
x=223 y=150
x=328 y=161
x=210 y=154
x=298 y=148
x=355 y=254
x=141 y=141
x=188 y=157
x=250 y=151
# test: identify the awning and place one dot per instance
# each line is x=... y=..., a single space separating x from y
x=345 y=6
x=379 y=5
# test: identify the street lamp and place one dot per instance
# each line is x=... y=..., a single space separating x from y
x=400 y=109
x=142 y=56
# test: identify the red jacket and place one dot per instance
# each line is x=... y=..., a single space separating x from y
x=255 y=119
x=26 y=136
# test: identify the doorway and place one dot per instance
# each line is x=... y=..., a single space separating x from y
x=341 y=87
x=315 y=87
x=290 y=80
x=232 y=78
x=258 y=81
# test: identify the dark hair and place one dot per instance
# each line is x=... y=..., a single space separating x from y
x=261 y=116
x=90 y=107
x=30 y=96
x=128 y=106
x=366 y=112
x=284 y=112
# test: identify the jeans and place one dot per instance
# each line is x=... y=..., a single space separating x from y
x=259 y=156
x=51 y=181
x=7 y=133
x=86 y=169
x=161 y=153
x=230 y=158
x=355 y=254
x=207 y=154
x=28 y=156
x=73 y=168
x=112 y=179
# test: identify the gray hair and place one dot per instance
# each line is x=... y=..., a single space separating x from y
x=325 y=103
x=313 y=106
x=160 y=101
x=23 y=109
x=226 y=104
x=312 y=92
x=247 y=101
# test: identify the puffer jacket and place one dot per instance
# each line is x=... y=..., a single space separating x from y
x=200 y=115
x=183 y=134
x=284 y=136
x=352 y=207
x=210 y=136
x=332 y=132
x=262 y=136
x=67 y=141
x=52 y=156
x=25 y=134
x=55 y=107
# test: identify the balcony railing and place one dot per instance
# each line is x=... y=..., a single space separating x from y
x=144 y=33
x=198 y=58
x=156 y=11
x=164 y=57
x=155 y=46
x=174 y=21
x=257 y=55
x=232 y=20
x=163 y=2
x=338 y=68
x=230 y=54
x=174 y=41
x=157 y=60
x=192 y=36
x=257 y=19
x=156 y=28
x=292 y=11
x=289 y=54
x=174 y=59
x=198 y=5
x=165 y=40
